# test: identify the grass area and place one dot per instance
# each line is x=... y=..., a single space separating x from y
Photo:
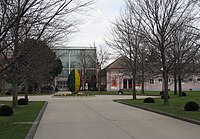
x=124 y=93
x=99 y=93
x=13 y=127
x=103 y=92
x=176 y=104
x=73 y=95
x=2 y=95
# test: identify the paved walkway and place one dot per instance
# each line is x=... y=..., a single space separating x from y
x=101 y=118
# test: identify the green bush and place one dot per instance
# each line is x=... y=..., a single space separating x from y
x=191 y=106
x=183 y=94
x=6 y=110
x=149 y=100
x=22 y=101
x=8 y=93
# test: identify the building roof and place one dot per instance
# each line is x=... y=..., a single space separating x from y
x=119 y=63
x=74 y=48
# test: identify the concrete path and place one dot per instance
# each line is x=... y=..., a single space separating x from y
x=101 y=118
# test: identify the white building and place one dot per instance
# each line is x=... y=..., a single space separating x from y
x=116 y=78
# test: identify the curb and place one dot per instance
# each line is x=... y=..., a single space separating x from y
x=162 y=113
x=35 y=125
x=72 y=96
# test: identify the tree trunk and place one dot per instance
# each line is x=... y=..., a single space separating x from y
x=165 y=77
x=134 y=90
x=175 y=79
x=179 y=84
x=133 y=79
x=15 y=98
x=134 y=76
x=84 y=77
x=179 y=79
x=175 y=84
x=15 y=54
x=142 y=89
x=40 y=88
x=26 y=89
x=99 y=80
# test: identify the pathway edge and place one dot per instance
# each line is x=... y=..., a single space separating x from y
x=36 y=123
x=162 y=113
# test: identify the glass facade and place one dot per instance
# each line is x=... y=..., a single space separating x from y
x=83 y=59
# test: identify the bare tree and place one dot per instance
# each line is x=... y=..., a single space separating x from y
x=100 y=58
x=127 y=40
x=184 y=50
x=29 y=18
x=156 y=19
x=47 y=20
x=84 y=61
x=143 y=67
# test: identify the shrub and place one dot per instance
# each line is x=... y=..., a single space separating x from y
x=22 y=101
x=6 y=110
x=184 y=94
x=8 y=93
x=191 y=106
x=47 y=89
x=149 y=100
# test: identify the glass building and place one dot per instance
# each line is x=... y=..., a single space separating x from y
x=81 y=58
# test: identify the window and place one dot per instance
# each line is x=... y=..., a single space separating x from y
x=169 y=80
x=160 y=80
x=198 y=79
x=182 y=80
x=130 y=84
x=190 y=79
x=125 y=84
x=151 y=81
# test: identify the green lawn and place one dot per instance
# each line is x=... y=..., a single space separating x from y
x=73 y=95
x=125 y=93
x=13 y=127
x=176 y=104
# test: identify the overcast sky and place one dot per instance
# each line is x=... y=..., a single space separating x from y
x=97 y=24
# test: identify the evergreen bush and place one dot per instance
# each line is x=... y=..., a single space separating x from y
x=191 y=106
x=22 y=101
x=8 y=93
x=184 y=94
x=6 y=110
x=149 y=100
